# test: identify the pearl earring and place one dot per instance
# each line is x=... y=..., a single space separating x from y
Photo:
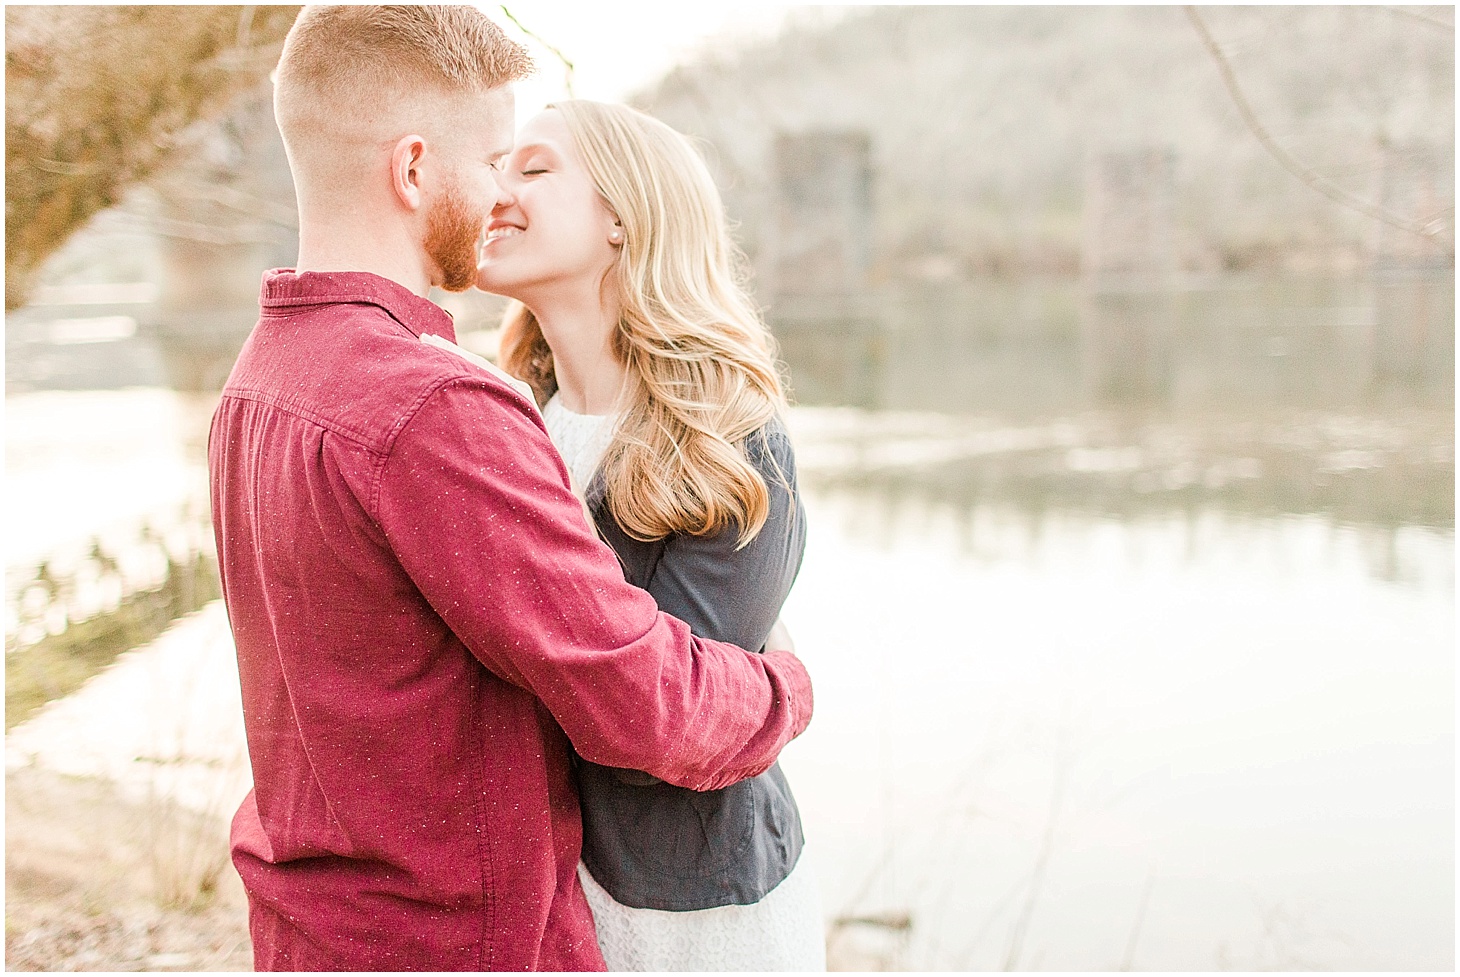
x=615 y=235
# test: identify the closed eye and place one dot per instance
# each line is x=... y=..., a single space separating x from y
x=532 y=172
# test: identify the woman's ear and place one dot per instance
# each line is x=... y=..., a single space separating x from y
x=616 y=234
x=405 y=170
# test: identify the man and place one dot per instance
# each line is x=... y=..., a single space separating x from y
x=424 y=621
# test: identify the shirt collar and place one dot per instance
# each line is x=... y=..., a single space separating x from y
x=285 y=290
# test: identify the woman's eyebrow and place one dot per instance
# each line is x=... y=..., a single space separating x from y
x=531 y=147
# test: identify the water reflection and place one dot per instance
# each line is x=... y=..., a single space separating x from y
x=1131 y=614
x=1383 y=471
x=1180 y=741
x=1132 y=620
x=1256 y=398
x=1037 y=348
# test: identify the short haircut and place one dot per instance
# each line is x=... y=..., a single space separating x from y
x=338 y=56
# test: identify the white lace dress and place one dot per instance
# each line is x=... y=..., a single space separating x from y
x=580 y=438
x=782 y=932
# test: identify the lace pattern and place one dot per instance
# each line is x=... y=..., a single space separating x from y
x=580 y=438
x=782 y=932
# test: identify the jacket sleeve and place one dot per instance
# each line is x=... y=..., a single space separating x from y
x=474 y=501
x=732 y=594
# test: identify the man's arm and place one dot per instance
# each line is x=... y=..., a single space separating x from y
x=475 y=503
x=721 y=589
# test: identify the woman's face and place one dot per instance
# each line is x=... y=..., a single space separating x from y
x=550 y=227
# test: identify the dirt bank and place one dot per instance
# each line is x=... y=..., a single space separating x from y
x=95 y=882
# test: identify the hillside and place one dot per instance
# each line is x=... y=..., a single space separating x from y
x=984 y=122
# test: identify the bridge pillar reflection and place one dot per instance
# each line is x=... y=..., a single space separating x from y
x=816 y=265
x=1128 y=267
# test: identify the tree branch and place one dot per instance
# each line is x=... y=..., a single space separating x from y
x=1429 y=229
x=1422 y=18
x=568 y=75
x=95 y=99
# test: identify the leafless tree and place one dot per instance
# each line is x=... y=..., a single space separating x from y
x=96 y=98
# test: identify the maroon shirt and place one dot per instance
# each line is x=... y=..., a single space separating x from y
x=424 y=622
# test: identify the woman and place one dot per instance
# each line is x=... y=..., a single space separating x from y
x=659 y=386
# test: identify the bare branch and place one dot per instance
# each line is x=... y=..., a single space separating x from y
x=239 y=201
x=1063 y=760
x=1422 y=18
x=1128 y=958
x=1430 y=229
x=244 y=37
x=192 y=230
x=568 y=75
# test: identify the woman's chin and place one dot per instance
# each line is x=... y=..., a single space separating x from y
x=488 y=282
x=520 y=287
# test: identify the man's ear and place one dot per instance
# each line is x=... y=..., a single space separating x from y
x=405 y=170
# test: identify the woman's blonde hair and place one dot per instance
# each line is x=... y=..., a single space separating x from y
x=701 y=364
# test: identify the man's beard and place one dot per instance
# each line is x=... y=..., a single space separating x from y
x=452 y=232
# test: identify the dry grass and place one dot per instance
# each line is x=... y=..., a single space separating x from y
x=96 y=882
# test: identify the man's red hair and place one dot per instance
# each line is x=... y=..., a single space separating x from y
x=339 y=57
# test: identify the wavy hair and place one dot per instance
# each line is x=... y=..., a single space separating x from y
x=702 y=369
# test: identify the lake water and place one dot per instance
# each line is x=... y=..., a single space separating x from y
x=1238 y=724
x=1132 y=621
x=1132 y=632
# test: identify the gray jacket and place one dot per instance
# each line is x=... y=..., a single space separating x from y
x=657 y=846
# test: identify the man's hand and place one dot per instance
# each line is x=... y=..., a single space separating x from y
x=780 y=638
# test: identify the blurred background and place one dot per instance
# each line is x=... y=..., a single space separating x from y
x=1121 y=341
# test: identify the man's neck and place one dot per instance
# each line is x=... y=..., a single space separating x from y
x=341 y=244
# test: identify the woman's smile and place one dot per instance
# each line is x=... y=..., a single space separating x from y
x=498 y=229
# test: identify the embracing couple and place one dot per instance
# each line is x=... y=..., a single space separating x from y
x=479 y=739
